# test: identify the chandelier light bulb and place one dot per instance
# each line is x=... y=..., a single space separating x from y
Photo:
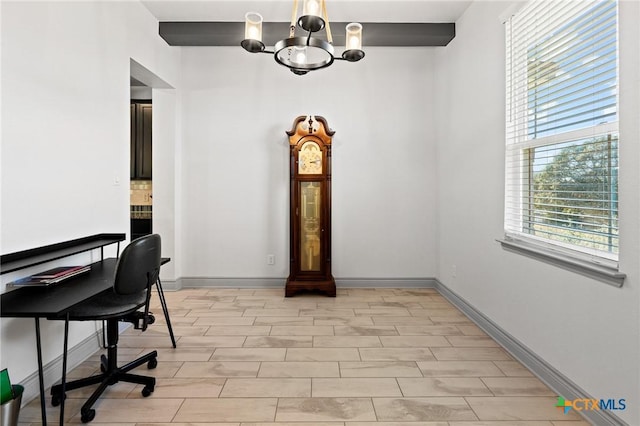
x=353 y=43
x=300 y=55
x=354 y=36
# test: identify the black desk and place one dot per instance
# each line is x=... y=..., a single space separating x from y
x=54 y=301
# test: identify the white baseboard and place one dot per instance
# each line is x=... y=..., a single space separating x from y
x=228 y=282
x=170 y=285
x=386 y=282
x=225 y=282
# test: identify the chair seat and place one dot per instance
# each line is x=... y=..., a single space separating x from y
x=105 y=305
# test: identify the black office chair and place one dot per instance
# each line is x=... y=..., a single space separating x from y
x=137 y=270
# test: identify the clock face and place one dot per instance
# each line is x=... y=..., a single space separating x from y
x=310 y=159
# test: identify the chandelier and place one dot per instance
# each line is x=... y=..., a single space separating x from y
x=304 y=53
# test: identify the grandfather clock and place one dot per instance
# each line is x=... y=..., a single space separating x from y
x=310 y=209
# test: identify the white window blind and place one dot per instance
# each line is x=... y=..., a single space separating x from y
x=562 y=126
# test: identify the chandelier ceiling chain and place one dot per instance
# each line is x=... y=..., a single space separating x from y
x=302 y=54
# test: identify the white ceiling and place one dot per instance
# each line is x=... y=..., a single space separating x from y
x=436 y=11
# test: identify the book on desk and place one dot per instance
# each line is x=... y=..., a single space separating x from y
x=49 y=277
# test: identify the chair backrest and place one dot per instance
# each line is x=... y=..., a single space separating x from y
x=138 y=266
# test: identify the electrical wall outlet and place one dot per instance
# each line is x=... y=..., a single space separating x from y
x=271 y=259
x=454 y=271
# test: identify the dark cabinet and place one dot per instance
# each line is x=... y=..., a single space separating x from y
x=141 y=140
x=140 y=227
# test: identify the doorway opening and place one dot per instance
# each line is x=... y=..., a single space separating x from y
x=141 y=164
x=141 y=85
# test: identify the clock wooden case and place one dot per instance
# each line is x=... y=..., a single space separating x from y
x=310 y=207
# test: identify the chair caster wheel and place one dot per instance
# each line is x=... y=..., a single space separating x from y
x=103 y=364
x=88 y=415
x=151 y=319
x=153 y=363
x=56 y=400
x=146 y=391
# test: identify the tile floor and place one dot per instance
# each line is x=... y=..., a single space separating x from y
x=385 y=357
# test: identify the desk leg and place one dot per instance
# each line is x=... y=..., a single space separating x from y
x=64 y=368
x=163 y=302
x=40 y=373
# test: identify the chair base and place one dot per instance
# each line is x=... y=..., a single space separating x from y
x=111 y=374
x=106 y=379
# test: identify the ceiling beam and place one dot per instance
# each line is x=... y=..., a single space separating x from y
x=373 y=34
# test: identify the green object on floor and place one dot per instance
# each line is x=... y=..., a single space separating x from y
x=6 y=391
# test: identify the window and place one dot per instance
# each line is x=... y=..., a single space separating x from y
x=562 y=128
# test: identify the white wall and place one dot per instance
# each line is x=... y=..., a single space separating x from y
x=586 y=329
x=65 y=135
x=236 y=108
x=165 y=159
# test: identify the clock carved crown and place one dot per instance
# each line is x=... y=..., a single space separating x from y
x=310 y=125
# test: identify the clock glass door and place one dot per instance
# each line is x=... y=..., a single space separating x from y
x=310 y=227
